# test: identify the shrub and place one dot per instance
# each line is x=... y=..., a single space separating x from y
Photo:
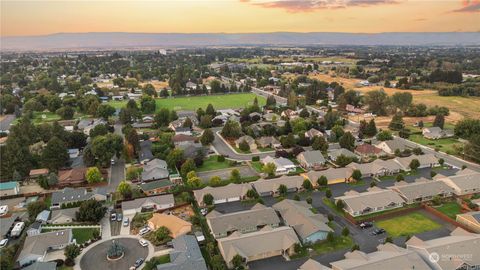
x=255 y=158
x=220 y=158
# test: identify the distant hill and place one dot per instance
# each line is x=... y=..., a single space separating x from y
x=130 y=40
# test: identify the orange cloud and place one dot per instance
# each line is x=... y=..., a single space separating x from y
x=469 y=6
x=294 y=6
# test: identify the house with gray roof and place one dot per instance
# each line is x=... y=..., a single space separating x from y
x=422 y=190
x=310 y=227
x=152 y=203
x=373 y=200
x=283 y=165
x=471 y=220
x=192 y=149
x=334 y=154
x=333 y=175
x=229 y=193
x=271 y=117
x=63 y=216
x=464 y=182
x=391 y=146
x=43 y=216
x=145 y=154
x=377 y=167
x=268 y=141
x=259 y=216
x=186 y=255
x=248 y=139
x=312 y=133
x=155 y=169
x=426 y=161
x=387 y=256
x=269 y=187
x=311 y=160
x=435 y=133
x=72 y=195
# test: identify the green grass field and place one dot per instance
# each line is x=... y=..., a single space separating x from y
x=451 y=209
x=445 y=145
x=211 y=163
x=47 y=117
x=409 y=224
x=81 y=235
x=232 y=101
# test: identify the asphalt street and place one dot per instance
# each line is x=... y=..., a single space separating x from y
x=117 y=170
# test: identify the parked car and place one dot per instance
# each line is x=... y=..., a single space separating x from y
x=113 y=217
x=366 y=225
x=378 y=231
x=3 y=242
x=138 y=262
x=112 y=162
x=126 y=222
x=144 y=231
x=119 y=217
x=143 y=242
x=204 y=211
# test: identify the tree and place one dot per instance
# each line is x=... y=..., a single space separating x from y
x=71 y=252
x=417 y=151
x=319 y=143
x=187 y=166
x=472 y=148
x=439 y=120
x=98 y=130
x=377 y=102
x=231 y=129
x=91 y=211
x=188 y=123
x=401 y=100
x=206 y=121
x=175 y=158
x=34 y=208
x=162 y=234
x=105 y=111
x=347 y=141
x=343 y=160
x=208 y=199
x=252 y=194
x=271 y=102
x=399 y=178
x=292 y=101
x=345 y=231
x=322 y=181
x=194 y=182
x=328 y=193
x=307 y=185
x=215 y=181
x=339 y=204
x=304 y=113
x=237 y=261
x=282 y=190
x=66 y=113
x=243 y=145
x=384 y=135
x=371 y=128
x=162 y=118
x=124 y=188
x=55 y=154
x=357 y=175
x=330 y=237
x=207 y=137
x=147 y=104
x=105 y=147
x=235 y=176
x=397 y=122
x=414 y=164
x=269 y=169
x=309 y=200
x=52 y=179
x=210 y=110
x=93 y=175
x=441 y=161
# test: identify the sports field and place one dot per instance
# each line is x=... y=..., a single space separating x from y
x=229 y=101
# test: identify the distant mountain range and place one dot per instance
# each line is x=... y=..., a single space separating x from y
x=116 y=40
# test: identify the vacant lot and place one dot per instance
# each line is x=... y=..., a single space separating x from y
x=229 y=101
x=409 y=224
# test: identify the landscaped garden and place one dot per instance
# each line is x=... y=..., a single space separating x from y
x=451 y=209
x=408 y=224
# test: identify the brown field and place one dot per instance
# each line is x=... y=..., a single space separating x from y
x=156 y=83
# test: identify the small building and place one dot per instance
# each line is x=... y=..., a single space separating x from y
x=312 y=133
x=152 y=203
x=422 y=190
x=186 y=255
x=36 y=173
x=271 y=117
x=9 y=188
x=249 y=140
x=43 y=216
x=179 y=139
x=311 y=160
x=283 y=165
x=35 y=228
x=373 y=200
x=268 y=142
x=175 y=225
x=426 y=161
x=471 y=220
x=155 y=169
x=71 y=195
x=229 y=193
x=435 y=133
x=270 y=187
x=391 y=146
x=145 y=154
x=377 y=168
x=63 y=216
x=156 y=187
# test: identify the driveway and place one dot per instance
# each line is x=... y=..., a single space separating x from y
x=245 y=171
x=6 y=121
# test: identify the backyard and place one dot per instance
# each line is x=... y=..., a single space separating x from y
x=447 y=145
x=81 y=235
x=211 y=163
x=409 y=224
x=451 y=209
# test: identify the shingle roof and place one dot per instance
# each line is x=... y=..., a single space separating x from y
x=422 y=188
x=40 y=243
x=229 y=191
x=373 y=198
x=331 y=174
x=137 y=203
x=311 y=264
x=312 y=157
x=70 y=195
x=333 y=154
x=368 y=149
x=155 y=169
x=185 y=256
x=69 y=212
x=155 y=184
x=145 y=150
x=464 y=180
x=424 y=160
x=272 y=185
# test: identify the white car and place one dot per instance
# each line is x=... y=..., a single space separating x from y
x=126 y=221
x=143 y=242
x=3 y=242
x=144 y=231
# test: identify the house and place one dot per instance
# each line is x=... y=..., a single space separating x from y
x=190 y=86
x=249 y=140
x=63 y=216
x=377 y=168
x=229 y=193
x=391 y=146
x=259 y=216
x=155 y=169
x=333 y=175
x=435 y=133
x=269 y=187
x=156 y=187
x=311 y=264
x=175 y=225
x=387 y=256
x=86 y=125
x=471 y=220
x=42 y=266
x=255 y=116
x=268 y=142
x=36 y=173
x=373 y=200
x=37 y=246
x=426 y=161
x=422 y=190
x=289 y=114
x=145 y=151
x=72 y=177
x=259 y=245
x=183 y=130
x=283 y=165
x=73 y=195
x=457 y=251
x=192 y=149
x=352 y=109
x=334 y=154
x=312 y=133
x=464 y=182
x=148 y=119
x=367 y=150
x=179 y=139
x=311 y=160
x=152 y=203
x=271 y=117
x=35 y=228
x=9 y=188
x=310 y=227
x=186 y=255
x=43 y=216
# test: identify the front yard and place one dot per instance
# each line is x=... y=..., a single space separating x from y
x=409 y=224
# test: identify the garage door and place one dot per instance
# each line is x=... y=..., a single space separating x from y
x=220 y=201
x=234 y=199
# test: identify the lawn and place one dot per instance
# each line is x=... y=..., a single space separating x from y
x=46 y=117
x=447 y=145
x=231 y=101
x=257 y=165
x=339 y=243
x=409 y=224
x=211 y=164
x=153 y=262
x=81 y=235
x=451 y=209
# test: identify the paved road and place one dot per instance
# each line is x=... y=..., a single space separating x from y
x=6 y=121
x=117 y=171
x=222 y=148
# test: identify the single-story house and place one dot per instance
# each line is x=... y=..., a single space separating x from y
x=426 y=161
x=255 y=115
x=312 y=133
x=269 y=187
x=391 y=146
x=72 y=177
x=367 y=150
x=435 y=133
x=464 y=182
x=9 y=188
x=175 y=225
x=151 y=203
x=311 y=160
x=422 y=190
x=86 y=125
x=156 y=187
x=155 y=169
x=183 y=131
x=71 y=195
x=36 y=173
x=271 y=117
x=63 y=216
x=229 y=193
x=37 y=246
x=372 y=201
x=186 y=255
x=333 y=175
x=249 y=140
x=377 y=168
x=471 y=220
x=191 y=149
x=289 y=114
x=182 y=139
x=268 y=141
x=258 y=245
x=310 y=227
x=283 y=165
x=459 y=250
x=259 y=216
x=145 y=154
x=334 y=154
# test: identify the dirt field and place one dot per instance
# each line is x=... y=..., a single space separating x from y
x=156 y=83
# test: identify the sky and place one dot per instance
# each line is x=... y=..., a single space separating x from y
x=39 y=17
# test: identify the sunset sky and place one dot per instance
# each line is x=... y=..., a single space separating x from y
x=19 y=17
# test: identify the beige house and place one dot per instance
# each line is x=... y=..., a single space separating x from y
x=376 y=168
x=152 y=203
x=333 y=175
x=63 y=216
x=372 y=201
x=229 y=193
x=250 y=141
x=176 y=225
x=422 y=190
x=426 y=161
x=471 y=220
x=464 y=182
x=269 y=187
x=259 y=245
x=311 y=264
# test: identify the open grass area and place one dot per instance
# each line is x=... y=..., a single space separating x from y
x=211 y=163
x=153 y=262
x=47 y=117
x=373 y=215
x=409 y=224
x=257 y=165
x=230 y=101
x=451 y=209
x=81 y=235
x=448 y=145
x=339 y=243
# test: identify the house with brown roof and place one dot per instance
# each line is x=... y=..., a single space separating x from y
x=312 y=133
x=175 y=225
x=152 y=203
x=72 y=177
x=179 y=139
x=268 y=141
x=367 y=150
x=35 y=173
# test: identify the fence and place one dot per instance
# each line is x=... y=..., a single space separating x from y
x=390 y=214
x=444 y=217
